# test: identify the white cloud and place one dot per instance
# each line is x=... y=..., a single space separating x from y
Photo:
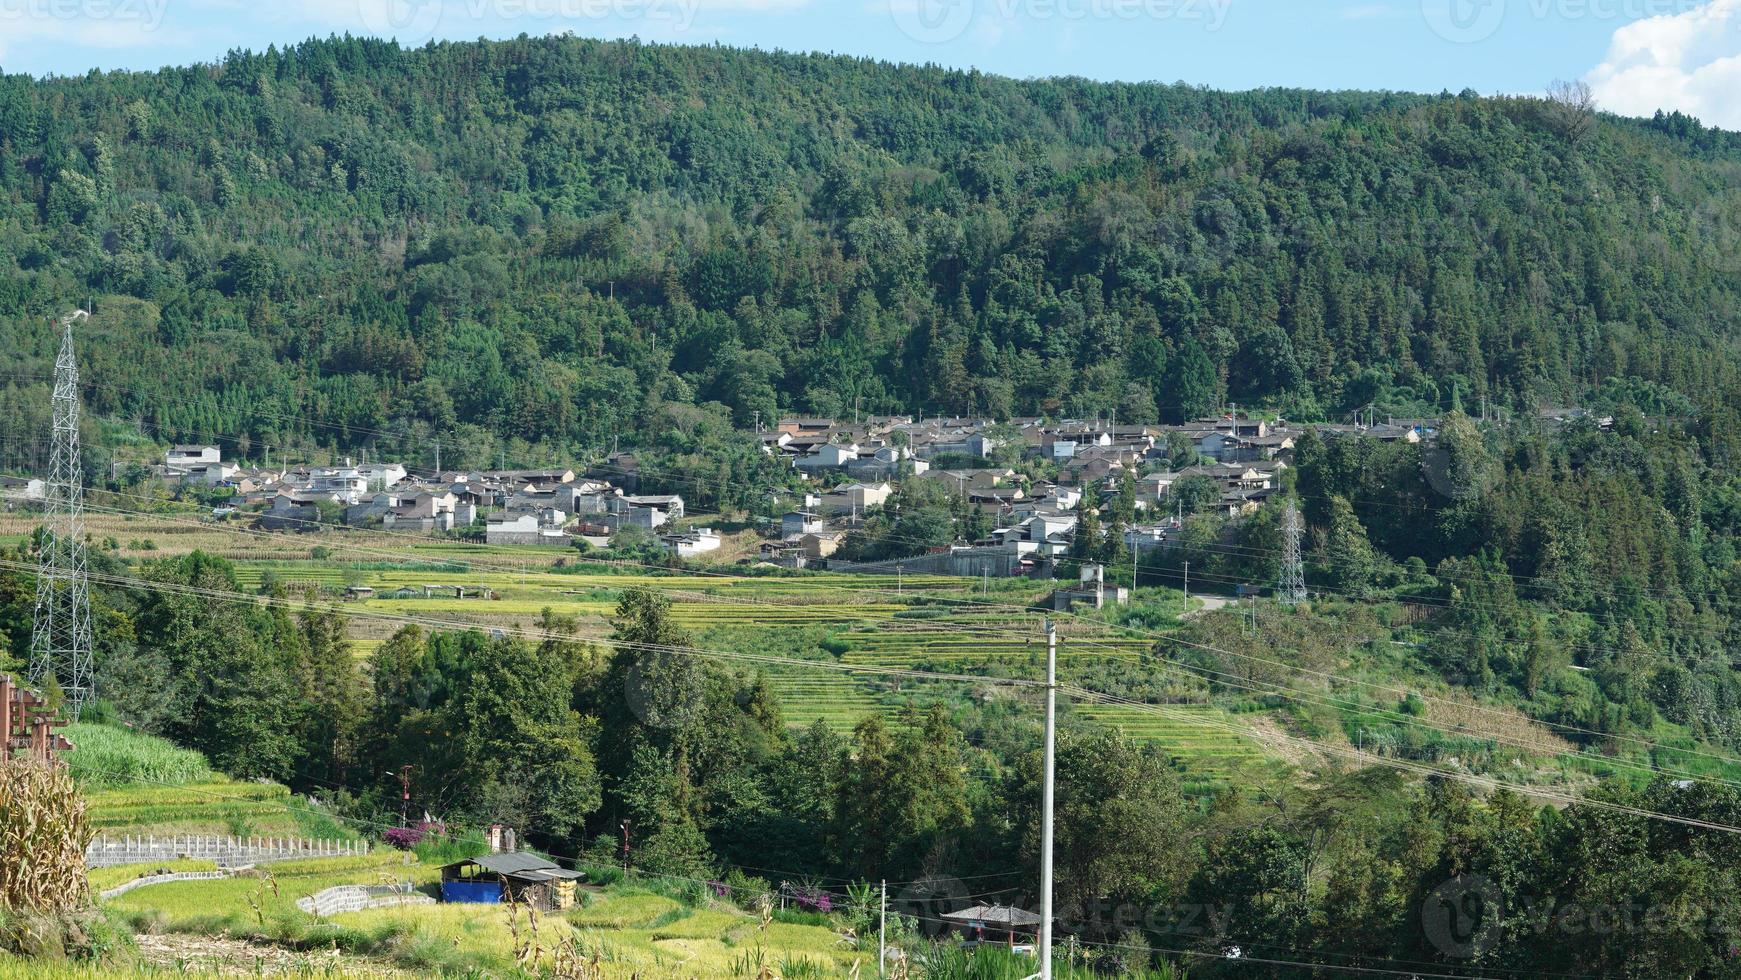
x=1689 y=61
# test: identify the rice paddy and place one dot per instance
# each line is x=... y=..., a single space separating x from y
x=913 y=622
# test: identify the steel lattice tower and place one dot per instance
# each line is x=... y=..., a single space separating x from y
x=60 y=645
x=1291 y=590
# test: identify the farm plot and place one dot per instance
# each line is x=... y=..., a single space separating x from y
x=214 y=807
x=1192 y=735
x=635 y=933
x=921 y=622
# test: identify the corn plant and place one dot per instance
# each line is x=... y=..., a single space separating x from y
x=43 y=833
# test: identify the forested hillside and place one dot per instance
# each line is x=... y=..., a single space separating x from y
x=539 y=246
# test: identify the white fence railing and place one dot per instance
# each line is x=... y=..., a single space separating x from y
x=355 y=898
x=106 y=852
x=161 y=879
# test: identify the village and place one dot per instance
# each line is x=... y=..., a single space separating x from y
x=1026 y=476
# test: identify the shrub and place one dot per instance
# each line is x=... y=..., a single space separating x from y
x=404 y=838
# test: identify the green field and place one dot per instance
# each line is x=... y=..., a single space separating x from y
x=631 y=929
x=142 y=786
x=920 y=622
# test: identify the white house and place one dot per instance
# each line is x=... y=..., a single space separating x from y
x=828 y=456
x=856 y=498
x=15 y=488
x=698 y=541
x=182 y=458
x=540 y=527
x=381 y=476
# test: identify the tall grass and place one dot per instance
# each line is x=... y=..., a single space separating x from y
x=444 y=849
x=105 y=755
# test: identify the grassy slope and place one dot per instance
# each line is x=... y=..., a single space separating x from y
x=142 y=785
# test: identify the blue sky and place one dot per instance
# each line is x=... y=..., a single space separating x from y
x=1638 y=54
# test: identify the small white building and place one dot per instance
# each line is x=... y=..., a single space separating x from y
x=382 y=476
x=693 y=543
x=541 y=528
x=183 y=458
x=17 y=488
x=856 y=498
x=829 y=456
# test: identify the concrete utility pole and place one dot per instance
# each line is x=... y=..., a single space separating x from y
x=404 y=795
x=1046 y=824
x=883 y=934
x=1187 y=601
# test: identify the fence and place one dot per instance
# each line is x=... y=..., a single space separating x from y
x=355 y=898
x=107 y=852
x=141 y=882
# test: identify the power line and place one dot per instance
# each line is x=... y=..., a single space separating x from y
x=576 y=859
x=1160 y=637
x=1487 y=782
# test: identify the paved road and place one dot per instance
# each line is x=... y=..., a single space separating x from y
x=1201 y=604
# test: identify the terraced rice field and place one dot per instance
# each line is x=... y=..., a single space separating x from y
x=869 y=621
x=1191 y=734
x=838 y=700
x=217 y=807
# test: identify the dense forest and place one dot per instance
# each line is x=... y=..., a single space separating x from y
x=569 y=738
x=543 y=247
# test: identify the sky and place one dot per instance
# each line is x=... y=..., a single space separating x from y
x=1637 y=55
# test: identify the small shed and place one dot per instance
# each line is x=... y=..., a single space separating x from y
x=514 y=876
x=1001 y=924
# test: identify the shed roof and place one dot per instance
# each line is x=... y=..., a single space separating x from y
x=510 y=862
x=995 y=915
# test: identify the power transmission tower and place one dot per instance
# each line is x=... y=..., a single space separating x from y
x=1291 y=590
x=60 y=644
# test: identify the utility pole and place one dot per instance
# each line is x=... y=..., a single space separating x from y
x=405 y=796
x=1046 y=821
x=268 y=455
x=438 y=458
x=1187 y=600
x=60 y=639
x=883 y=934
